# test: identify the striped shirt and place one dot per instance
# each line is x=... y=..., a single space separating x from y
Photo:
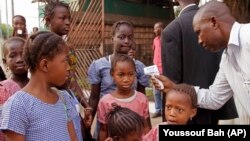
x=38 y=121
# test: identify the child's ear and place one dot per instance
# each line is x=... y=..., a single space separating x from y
x=194 y=112
x=47 y=20
x=43 y=65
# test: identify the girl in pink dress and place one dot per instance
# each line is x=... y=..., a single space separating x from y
x=180 y=108
x=13 y=61
x=123 y=74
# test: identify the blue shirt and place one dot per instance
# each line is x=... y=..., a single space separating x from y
x=99 y=72
x=75 y=113
x=38 y=121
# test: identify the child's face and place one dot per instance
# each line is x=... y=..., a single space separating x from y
x=124 y=75
x=14 y=57
x=58 y=68
x=178 y=108
x=60 y=22
x=19 y=25
x=123 y=39
x=132 y=53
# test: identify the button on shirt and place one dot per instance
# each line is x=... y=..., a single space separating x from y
x=233 y=76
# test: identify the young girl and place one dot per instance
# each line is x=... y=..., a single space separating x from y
x=19 y=26
x=124 y=124
x=123 y=74
x=180 y=108
x=13 y=60
x=39 y=111
x=57 y=19
x=99 y=71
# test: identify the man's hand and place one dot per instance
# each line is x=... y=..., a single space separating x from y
x=167 y=83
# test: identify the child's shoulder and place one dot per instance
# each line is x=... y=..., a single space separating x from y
x=20 y=98
x=141 y=95
x=101 y=60
x=107 y=97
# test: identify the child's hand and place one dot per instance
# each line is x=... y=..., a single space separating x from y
x=88 y=117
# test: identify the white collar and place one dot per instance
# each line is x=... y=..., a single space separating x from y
x=234 y=34
x=186 y=8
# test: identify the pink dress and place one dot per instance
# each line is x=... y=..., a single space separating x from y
x=7 y=88
x=137 y=103
x=153 y=134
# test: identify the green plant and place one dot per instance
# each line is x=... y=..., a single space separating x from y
x=6 y=30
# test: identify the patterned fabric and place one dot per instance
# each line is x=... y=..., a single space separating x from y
x=7 y=88
x=75 y=113
x=38 y=121
x=137 y=103
x=99 y=72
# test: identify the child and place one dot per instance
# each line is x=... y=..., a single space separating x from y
x=123 y=74
x=54 y=10
x=180 y=107
x=19 y=26
x=99 y=70
x=39 y=111
x=13 y=60
x=124 y=124
x=58 y=19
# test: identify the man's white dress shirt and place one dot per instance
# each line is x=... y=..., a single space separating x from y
x=233 y=77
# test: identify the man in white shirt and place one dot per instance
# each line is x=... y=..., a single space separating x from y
x=217 y=29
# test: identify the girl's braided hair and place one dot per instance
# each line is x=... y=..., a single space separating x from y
x=122 y=121
x=43 y=44
x=188 y=90
x=117 y=25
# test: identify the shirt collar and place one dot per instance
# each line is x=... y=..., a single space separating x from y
x=234 y=34
x=186 y=8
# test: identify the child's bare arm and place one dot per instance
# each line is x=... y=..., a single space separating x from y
x=72 y=132
x=13 y=136
x=94 y=97
x=103 y=134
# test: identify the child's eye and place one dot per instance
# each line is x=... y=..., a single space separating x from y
x=121 y=37
x=180 y=110
x=120 y=74
x=168 y=107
